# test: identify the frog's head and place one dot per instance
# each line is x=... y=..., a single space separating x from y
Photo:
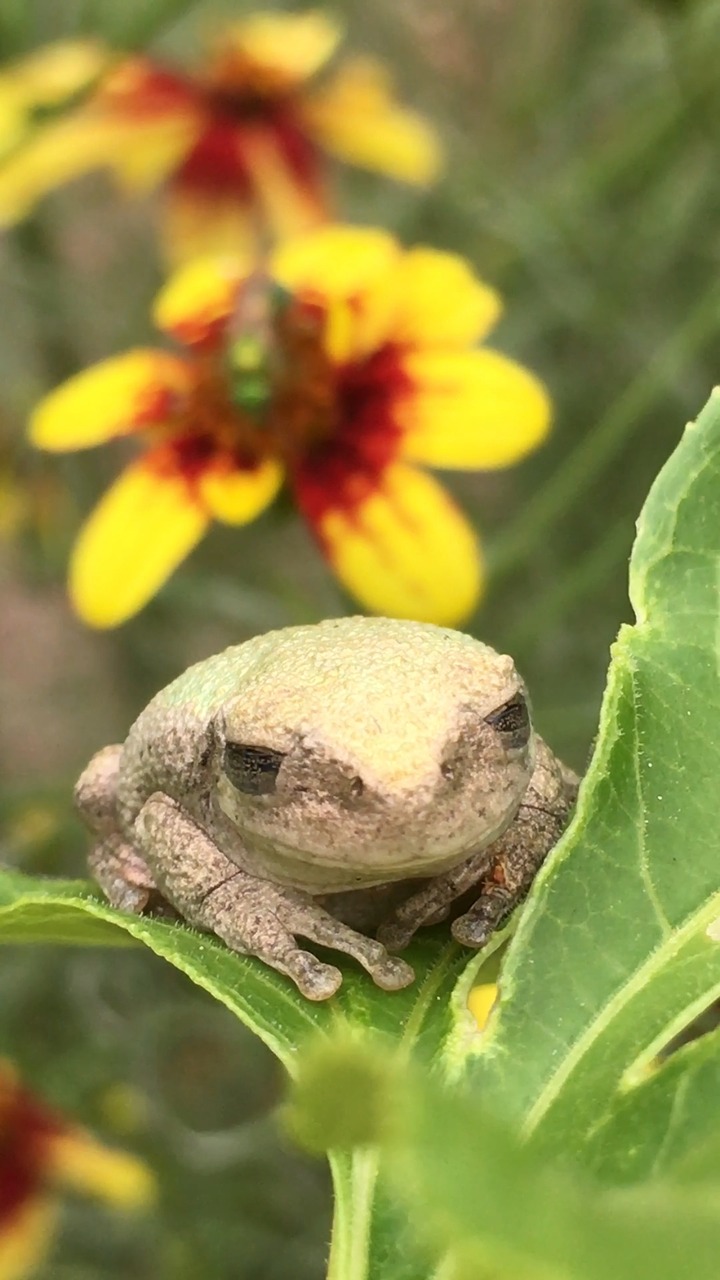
x=365 y=750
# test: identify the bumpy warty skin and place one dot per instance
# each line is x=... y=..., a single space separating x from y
x=391 y=770
x=319 y=782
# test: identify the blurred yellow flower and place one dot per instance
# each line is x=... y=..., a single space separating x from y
x=32 y=824
x=40 y=1153
x=341 y=369
x=238 y=144
x=43 y=83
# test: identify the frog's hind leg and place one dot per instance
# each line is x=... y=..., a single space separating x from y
x=121 y=872
x=123 y=875
x=96 y=791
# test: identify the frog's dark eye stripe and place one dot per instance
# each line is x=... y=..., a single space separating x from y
x=512 y=722
x=252 y=770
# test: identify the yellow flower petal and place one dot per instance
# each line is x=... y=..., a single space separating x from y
x=77 y=1161
x=481 y=1002
x=110 y=399
x=140 y=531
x=196 y=225
x=441 y=302
x=140 y=150
x=237 y=497
x=58 y=152
x=25 y=1238
x=150 y=121
x=471 y=409
x=148 y=151
x=200 y=296
x=47 y=78
x=356 y=117
x=293 y=45
x=351 y=269
x=289 y=205
x=406 y=550
x=13 y=119
x=56 y=72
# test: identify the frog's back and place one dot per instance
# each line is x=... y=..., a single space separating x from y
x=203 y=688
x=352 y=645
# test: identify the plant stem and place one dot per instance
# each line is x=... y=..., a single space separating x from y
x=354 y=1179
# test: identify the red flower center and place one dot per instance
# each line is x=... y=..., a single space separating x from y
x=349 y=467
x=269 y=389
x=25 y=1128
x=234 y=100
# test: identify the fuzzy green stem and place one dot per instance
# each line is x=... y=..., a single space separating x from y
x=354 y=1179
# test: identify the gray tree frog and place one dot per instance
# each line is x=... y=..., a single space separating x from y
x=322 y=775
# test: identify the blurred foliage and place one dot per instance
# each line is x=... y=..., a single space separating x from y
x=583 y=181
x=493 y=1206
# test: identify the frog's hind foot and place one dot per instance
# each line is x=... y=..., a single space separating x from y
x=125 y=877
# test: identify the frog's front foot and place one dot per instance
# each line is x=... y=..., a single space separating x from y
x=252 y=915
x=499 y=875
x=431 y=904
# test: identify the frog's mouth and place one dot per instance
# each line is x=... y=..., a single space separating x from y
x=329 y=872
x=300 y=870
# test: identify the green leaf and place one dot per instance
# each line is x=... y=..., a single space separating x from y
x=71 y=912
x=498 y=1206
x=499 y=1203
x=429 y=1018
x=655 y=1126
x=617 y=952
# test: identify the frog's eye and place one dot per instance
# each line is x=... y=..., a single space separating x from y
x=512 y=722
x=252 y=770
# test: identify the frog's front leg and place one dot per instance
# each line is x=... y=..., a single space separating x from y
x=503 y=872
x=252 y=915
x=516 y=860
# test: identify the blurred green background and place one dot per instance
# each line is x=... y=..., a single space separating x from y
x=583 y=180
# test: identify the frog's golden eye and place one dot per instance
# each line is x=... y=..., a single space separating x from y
x=512 y=722
x=252 y=770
